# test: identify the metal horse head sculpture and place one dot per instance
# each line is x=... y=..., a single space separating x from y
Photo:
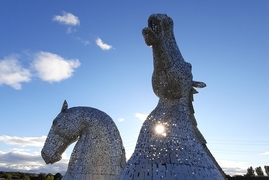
x=98 y=153
x=168 y=147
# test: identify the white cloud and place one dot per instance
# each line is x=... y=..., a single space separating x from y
x=70 y=30
x=83 y=41
x=121 y=119
x=48 y=66
x=53 y=68
x=67 y=18
x=128 y=155
x=264 y=153
x=102 y=45
x=12 y=73
x=233 y=167
x=25 y=161
x=24 y=141
x=141 y=116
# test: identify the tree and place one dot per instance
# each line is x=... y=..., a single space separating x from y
x=49 y=177
x=250 y=172
x=266 y=168
x=25 y=177
x=58 y=176
x=259 y=171
x=7 y=176
x=41 y=176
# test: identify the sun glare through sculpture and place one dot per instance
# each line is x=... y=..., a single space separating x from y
x=160 y=129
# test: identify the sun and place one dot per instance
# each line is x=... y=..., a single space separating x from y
x=160 y=129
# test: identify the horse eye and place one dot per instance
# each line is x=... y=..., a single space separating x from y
x=54 y=123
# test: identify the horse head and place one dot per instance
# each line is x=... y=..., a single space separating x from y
x=63 y=132
x=172 y=76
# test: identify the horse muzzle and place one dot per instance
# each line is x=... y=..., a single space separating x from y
x=50 y=159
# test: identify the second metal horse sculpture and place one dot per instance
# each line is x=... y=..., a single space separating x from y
x=98 y=154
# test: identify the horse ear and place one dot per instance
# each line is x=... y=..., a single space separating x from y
x=65 y=106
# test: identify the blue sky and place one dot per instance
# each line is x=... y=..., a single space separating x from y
x=92 y=53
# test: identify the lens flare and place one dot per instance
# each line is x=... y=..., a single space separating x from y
x=160 y=129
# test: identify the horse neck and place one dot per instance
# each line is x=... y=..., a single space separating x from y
x=173 y=106
x=87 y=143
x=170 y=111
x=93 y=149
x=166 y=53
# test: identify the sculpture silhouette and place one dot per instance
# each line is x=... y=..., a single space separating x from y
x=168 y=146
x=98 y=153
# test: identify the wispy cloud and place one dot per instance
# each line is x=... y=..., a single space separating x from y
x=19 y=159
x=264 y=153
x=70 y=30
x=141 y=116
x=24 y=141
x=121 y=119
x=233 y=167
x=54 y=68
x=12 y=73
x=102 y=45
x=83 y=41
x=67 y=18
x=25 y=161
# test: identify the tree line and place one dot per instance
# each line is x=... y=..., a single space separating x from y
x=258 y=170
x=251 y=173
x=30 y=176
